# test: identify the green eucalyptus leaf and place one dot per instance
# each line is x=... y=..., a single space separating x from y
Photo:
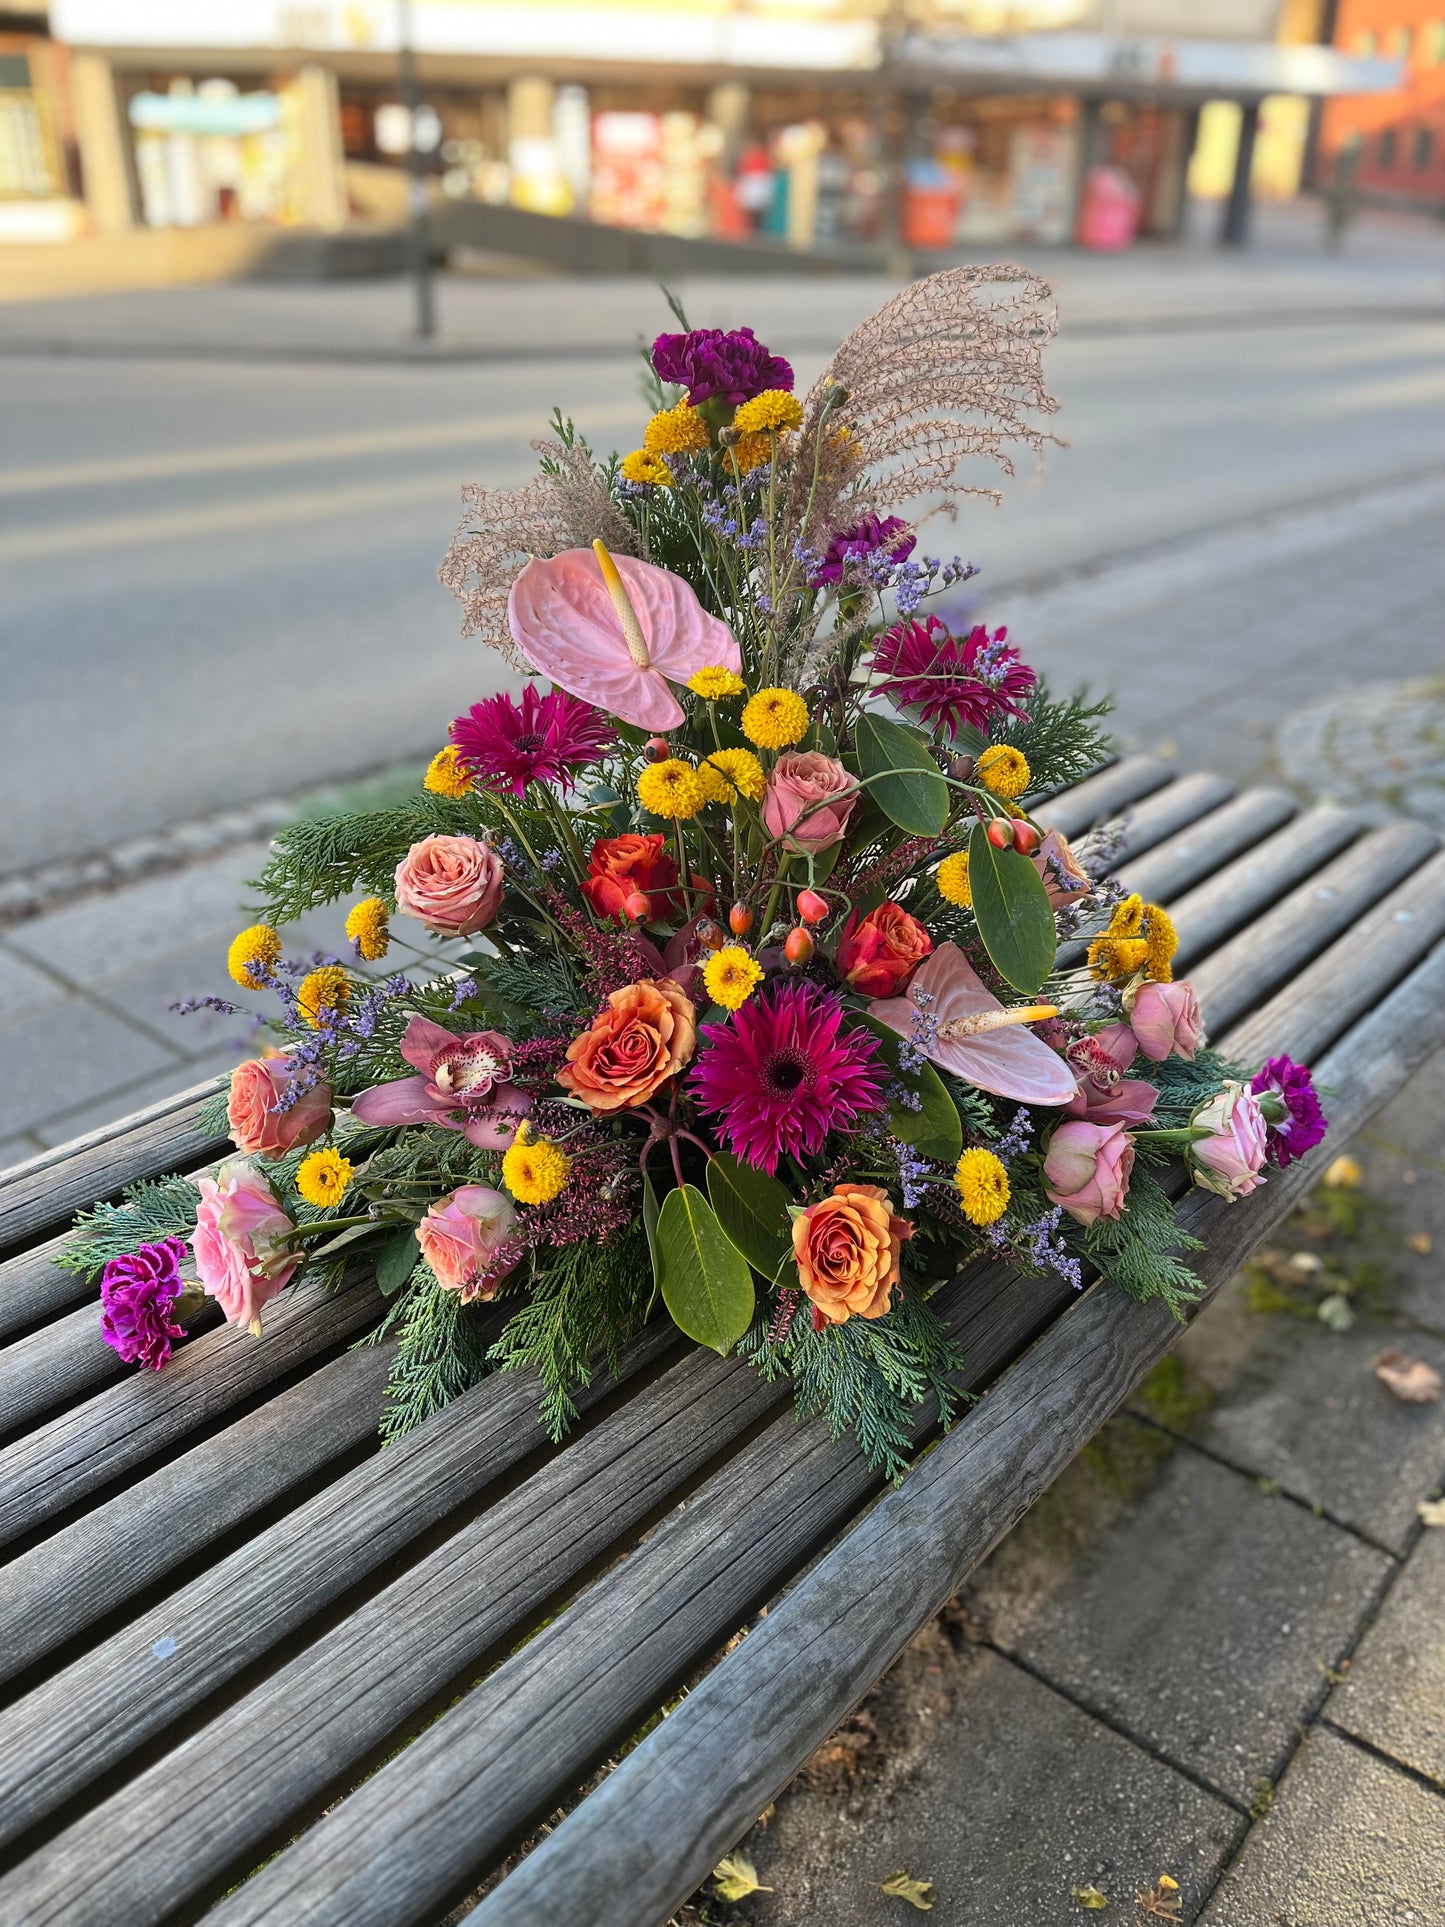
x=706 y=1282
x=1013 y=913
x=396 y=1261
x=935 y=1129
x=908 y=788
x=752 y=1209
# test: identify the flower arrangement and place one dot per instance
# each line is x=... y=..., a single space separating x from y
x=739 y=979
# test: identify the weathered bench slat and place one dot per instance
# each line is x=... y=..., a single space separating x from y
x=94 y=1444
x=60 y=1362
x=1105 y=795
x=680 y=1801
x=49 y=1189
x=1236 y=977
x=1198 y=849
x=33 y=1287
x=1223 y=905
x=88 y=1569
x=1169 y=810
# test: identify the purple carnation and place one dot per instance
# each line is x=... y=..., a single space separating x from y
x=716 y=364
x=136 y=1296
x=850 y=551
x=1301 y=1123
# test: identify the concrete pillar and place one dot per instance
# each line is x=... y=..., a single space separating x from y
x=322 y=160
x=728 y=107
x=106 y=157
x=1090 y=146
x=1234 y=229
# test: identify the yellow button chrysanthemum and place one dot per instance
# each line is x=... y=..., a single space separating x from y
x=258 y=945
x=738 y=771
x=731 y=976
x=952 y=880
x=675 y=431
x=369 y=928
x=1124 y=946
x=983 y=1186
x=671 y=788
x=751 y=451
x=1113 y=960
x=1004 y=770
x=534 y=1169
x=775 y=718
x=322 y=993
x=643 y=466
x=447 y=775
x=774 y=409
x=713 y=684
x=1163 y=940
x=322 y=1177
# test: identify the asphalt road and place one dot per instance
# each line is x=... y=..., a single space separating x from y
x=218 y=579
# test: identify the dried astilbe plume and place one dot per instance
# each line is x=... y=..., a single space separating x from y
x=566 y=507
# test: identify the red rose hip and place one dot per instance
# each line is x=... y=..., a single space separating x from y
x=1001 y=833
x=740 y=919
x=1026 y=838
x=798 y=946
x=811 y=907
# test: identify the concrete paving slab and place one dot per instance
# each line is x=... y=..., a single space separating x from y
x=70 y=1051
x=23 y=988
x=15 y=1150
x=998 y=1791
x=1394 y=1693
x=1203 y=1620
x=1403 y=1159
x=1349 y=1842
x=117 y=1104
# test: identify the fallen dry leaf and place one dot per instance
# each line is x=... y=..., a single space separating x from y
x=918 y=1893
x=1091 y=1898
x=1432 y=1512
x=1344 y=1175
x=1409 y=1379
x=1422 y=1242
x=1162 y=1902
x=737 y=1877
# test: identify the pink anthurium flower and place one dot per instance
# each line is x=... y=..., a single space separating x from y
x=616 y=631
x=950 y=1018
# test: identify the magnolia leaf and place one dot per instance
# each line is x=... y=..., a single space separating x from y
x=737 y=1877
x=905 y=783
x=1432 y=1512
x=1091 y=1899
x=935 y=1129
x=396 y=1262
x=705 y=1280
x=1411 y=1380
x=650 y=1210
x=918 y=1893
x=1013 y=913
x=752 y=1209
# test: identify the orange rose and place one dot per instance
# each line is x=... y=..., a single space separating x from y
x=644 y=1036
x=847 y=1251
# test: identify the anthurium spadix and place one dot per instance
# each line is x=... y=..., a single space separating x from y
x=950 y=1018
x=616 y=632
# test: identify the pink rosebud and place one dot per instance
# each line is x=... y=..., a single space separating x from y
x=1087 y=1170
x=1165 y=1018
x=1130 y=1101
x=259 y=1128
x=1065 y=881
x=808 y=801
x=452 y=884
x=240 y=1259
x=462 y=1233
x=1228 y=1161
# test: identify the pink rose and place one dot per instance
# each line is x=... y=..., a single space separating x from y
x=1229 y=1161
x=1165 y=1018
x=240 y=1259
x=808 y=801
x=1064 y=880
x=1087 y=1170
x=1129 y=1101
x=259 y=1128
x=461 y=1235
x=452 y=884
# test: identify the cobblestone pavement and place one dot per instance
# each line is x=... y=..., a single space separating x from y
x=1386 y=741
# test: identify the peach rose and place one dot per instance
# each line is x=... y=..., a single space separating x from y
x=847 y=1251
x=452 y=884
x=808 y=801
x=461 y=1235
x=257 y=1127
x=645 y=1035
x=878 y=954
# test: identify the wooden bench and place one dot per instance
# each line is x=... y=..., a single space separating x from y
x=224 y=1611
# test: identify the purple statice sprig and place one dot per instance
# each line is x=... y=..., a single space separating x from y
x=1017 y=1139
x=916 y=1175
x=1039 y=1246
x=910 y=581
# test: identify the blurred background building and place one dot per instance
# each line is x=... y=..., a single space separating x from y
x=827 y=125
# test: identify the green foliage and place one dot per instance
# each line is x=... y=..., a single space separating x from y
x=1139 y=1250
x=1184 y=1085
x=868 y=1376
x=315 y=861
x=588 y=1302
x=213 y=1120
x=902 y=776
x=1061 y=739
x=534 y=982
x=933 y=1128
x=1013 y=913
x=440 y=1353
x=705 y=1281
x=752 y=1209
x=152 y=1209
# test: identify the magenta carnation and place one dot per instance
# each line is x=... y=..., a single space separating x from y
x=137 y=1292
x=717 y=364
x=851 y=551
x=952 y=681
x=783 y=1073
x=506 y=744
x=1302 y=1124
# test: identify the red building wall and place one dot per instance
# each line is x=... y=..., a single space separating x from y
x=1400 y=138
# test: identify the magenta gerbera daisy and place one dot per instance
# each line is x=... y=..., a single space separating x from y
x=506 y=744
x=952 y=681
x=1291 y=1107
x=784 y=1072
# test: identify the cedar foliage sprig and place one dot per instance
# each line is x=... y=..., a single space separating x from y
x=1139 y=1250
